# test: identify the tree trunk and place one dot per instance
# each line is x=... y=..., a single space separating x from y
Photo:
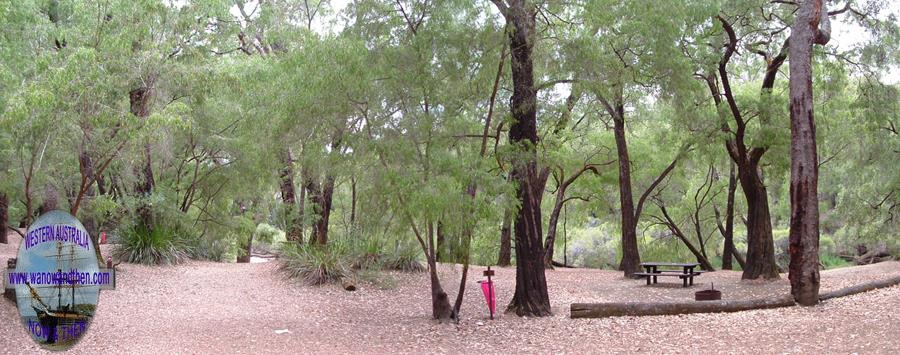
x=86 y=167
x=352 y=201
x=248 y=246
x=804 y=232
x=50 y=199
x=760 y=244
x=551 y=226
x=305 y=179
x=729 y=221
x=288 y=197
x=314 y=193
x=139 y=100
x=531 y=297
x=441 y=246
x=631 y=258
x=4 y=217
x=701 y=258
x=505 y=243
x=324 y=202
x=440 y=303
x=29 y=205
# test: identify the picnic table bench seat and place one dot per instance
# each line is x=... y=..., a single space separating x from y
x=686 y=274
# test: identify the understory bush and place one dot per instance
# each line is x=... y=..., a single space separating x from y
x=268 y=238
x=367 y=252
x=404 y=256
x=350 y=255
x=160 y=244
x=315 y=264
x=164 y=236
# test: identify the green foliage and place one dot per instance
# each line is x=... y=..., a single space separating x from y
x=832 y=262
x=404 y=256
x=313 y=264
x=165 y=243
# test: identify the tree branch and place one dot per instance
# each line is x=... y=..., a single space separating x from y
x=640 y=205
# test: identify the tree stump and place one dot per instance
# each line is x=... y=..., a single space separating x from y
x=348 y=284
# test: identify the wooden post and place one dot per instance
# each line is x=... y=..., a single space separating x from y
x=10 y=293
x=490 y=273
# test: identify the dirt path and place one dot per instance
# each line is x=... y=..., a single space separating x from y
x=237 y=308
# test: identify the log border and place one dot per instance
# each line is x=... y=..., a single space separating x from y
x=618 y=309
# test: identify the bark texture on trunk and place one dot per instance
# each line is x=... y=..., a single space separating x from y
x=50 y=199
x=760 y=243
x=289 y=197
x=631 y=258
x=504 y=259
x=804 y=232
x=531 y=297
x=86 y=165
x=323 y=202
x=728 y=233
x=314 y=194
x=441 y=247
x=139 y=99
x=602 y=310
x=4 y=217
x=552 y=225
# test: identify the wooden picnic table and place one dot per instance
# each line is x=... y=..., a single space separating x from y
x=686 y=274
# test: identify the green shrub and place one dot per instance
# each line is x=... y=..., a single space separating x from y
x=404 y=256
x=268 y=238
x=365 y=251
x=213 y=248
x=314 y=264
x=832 y=262
x=161 y=244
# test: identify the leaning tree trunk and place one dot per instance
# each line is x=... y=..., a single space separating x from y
x=631 y=258
x=804 y=233
x=531 y=297
x=4 y=217
x=673 y=227
x=552 y=225
x=440 y=303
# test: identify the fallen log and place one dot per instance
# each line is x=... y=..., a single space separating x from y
x=559 y=264
x=866 y=256
x=348 y=284
x=601 y=310
x=852 y=290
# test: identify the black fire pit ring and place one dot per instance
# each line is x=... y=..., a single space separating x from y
x=708 y=295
